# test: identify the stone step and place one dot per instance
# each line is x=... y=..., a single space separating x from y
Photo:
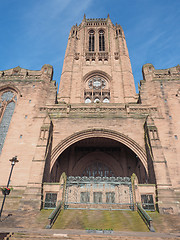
x=85 y=236
x=100 y=219
x=39 y=219
x=98 y=206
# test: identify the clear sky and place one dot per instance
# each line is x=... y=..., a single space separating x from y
x=35 y=32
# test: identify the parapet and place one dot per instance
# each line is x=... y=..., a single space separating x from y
x=21 y=74
x=150 y=73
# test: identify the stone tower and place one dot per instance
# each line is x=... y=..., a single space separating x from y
x=97 y=65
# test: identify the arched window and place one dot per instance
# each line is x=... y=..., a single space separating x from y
x=98 y=169
x=88 y=100
x=97 y=89
x=7 y=105
x=101 y=41
x=91 y=41
x=96 y=100
x=105 y=100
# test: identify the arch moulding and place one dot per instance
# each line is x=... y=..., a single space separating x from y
x=93 y=133
x=11 y=87
x=103 y=74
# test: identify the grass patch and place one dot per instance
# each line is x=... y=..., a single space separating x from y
x=42 y=217
x=95 y=219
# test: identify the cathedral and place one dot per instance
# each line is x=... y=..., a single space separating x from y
x=95 y=142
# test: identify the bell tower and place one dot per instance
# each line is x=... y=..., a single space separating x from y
x=96 y=66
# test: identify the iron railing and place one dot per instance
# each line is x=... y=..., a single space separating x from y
x=99 y=193
x=55 y=213
x=146 y=218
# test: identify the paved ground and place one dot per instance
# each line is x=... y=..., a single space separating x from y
x=82 y=234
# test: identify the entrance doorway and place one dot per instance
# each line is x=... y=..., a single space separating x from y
x=98 y=157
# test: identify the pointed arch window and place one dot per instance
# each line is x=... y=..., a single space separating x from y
x=87 y=100
x=91 y=41
x=101 y=41
x=7 y=105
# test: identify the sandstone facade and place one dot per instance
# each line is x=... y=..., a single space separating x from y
x=96 y=125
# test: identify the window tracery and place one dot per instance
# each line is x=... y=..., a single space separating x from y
x=97 y=90
x=98 y=169
x=7 y=106
x=97 y=83
x=96 y=46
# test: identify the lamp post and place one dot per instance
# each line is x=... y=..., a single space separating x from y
x=13 y=162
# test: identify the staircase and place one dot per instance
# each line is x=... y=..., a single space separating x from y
x=71 y=225
x=100 y=219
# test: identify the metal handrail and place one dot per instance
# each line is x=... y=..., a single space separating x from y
x=146 y=218
x=53 y=216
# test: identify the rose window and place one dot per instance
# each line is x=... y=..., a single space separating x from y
x=97 y=90
x=97 y=83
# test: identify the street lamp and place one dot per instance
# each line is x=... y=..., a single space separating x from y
x=13 y=162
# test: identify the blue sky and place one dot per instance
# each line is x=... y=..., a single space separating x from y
x=35 y=32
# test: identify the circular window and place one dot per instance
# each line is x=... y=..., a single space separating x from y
x=97 y=83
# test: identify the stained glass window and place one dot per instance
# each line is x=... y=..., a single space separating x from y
x=98 y=169
x=7 y=105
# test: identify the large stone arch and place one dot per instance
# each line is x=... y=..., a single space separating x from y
x=103 y=133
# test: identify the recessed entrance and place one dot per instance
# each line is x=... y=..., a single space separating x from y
x=98 y=170
x=98 y=157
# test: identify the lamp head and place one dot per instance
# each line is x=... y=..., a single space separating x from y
x=13 y=160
